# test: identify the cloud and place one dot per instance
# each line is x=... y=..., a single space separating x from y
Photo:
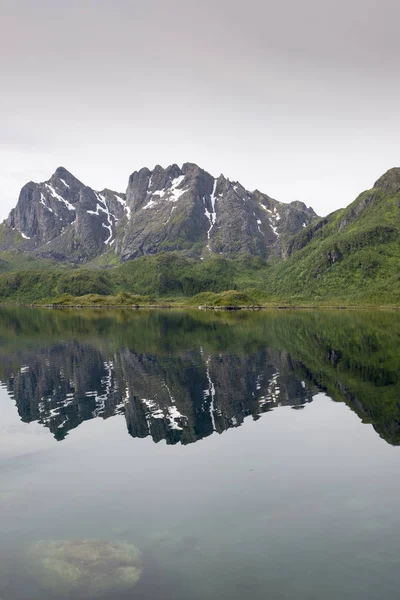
x=299 y=99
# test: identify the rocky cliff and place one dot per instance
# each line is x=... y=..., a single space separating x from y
x=173 y=209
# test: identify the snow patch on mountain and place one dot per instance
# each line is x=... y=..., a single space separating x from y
x=125 y=205
x=43 y=202
x=211 y=216
x=58 y=197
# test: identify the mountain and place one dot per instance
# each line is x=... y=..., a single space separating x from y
x=180 y=233
x=65 y=220
x=173 y=209
x=352 y=253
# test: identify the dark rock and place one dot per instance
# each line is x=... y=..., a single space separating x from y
x=172 y=209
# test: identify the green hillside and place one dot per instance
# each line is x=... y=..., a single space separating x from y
x=351 y=255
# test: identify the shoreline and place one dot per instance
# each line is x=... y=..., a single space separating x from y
x=228 y=308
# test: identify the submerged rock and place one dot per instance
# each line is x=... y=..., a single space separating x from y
x=88 y=568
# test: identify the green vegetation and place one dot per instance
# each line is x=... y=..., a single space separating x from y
x=121 y=299
x=351 y=257
x=164 y=277
x=367 y=277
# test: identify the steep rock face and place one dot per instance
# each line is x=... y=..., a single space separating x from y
x=167 y=210
x=66 y=220
x=45 y=209
x=174 y=209
x=96 y=219
x=189 y=210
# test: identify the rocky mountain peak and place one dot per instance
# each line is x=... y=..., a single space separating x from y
x=172 y=208
x=66 y=178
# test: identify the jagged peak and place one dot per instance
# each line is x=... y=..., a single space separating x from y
x=189 y=166
x=106 y=191
x=302 y=206
x=69 y=180
x=260 y=196
x=62 y=172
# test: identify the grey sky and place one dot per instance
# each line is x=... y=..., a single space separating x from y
x=298 y=98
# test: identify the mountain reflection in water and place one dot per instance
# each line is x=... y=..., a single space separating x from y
x=181 y=376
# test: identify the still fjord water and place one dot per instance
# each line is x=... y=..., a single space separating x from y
x=250 y=455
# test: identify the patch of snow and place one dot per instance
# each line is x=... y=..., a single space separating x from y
x=97 y=211
x=24 y=369
x=149 y=204
x=101 y=199
x=211 y=216
x=273 y=219
x=304 y=225
x=58 y=197
x=160 y=193
x=174 y=192
x=170 y=215
x=42 y=201
x=124 y=204
x=64 y=182
x=274 y=229
x=265 y=208
x=26 y=237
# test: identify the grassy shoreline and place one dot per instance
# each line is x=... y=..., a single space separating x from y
x=191 y=306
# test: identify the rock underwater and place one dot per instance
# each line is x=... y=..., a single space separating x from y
x=88 y=568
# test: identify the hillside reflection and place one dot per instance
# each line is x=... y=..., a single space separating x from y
x=181 y=376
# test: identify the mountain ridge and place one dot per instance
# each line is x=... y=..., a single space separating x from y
x=182 y=209
x=180 y=233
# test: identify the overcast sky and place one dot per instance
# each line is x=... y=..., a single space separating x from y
x=298 y=98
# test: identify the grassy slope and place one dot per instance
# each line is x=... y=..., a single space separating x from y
x=160 y=276
x=367 y=248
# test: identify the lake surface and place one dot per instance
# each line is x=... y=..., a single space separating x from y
x=247 y=455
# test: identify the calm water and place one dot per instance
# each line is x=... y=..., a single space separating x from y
x=250 y=455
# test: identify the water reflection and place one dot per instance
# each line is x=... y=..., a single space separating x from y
x=180 y=376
